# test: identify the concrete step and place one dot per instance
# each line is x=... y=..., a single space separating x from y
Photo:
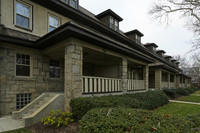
x=31 y=111
x=25 y=115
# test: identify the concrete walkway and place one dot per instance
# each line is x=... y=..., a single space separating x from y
x=7 y=124
x=174 y=101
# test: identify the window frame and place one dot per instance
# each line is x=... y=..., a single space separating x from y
x=48 y=24
x=30 y=65
x=76 y=1
x=59 y=65
x=30 y=28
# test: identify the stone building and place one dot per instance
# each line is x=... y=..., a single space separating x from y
x=59 y=46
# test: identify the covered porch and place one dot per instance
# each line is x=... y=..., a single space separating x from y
x=160 y=79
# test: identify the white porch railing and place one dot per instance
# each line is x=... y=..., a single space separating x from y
x=100 y=85
x=135 y=85
x=164 y=85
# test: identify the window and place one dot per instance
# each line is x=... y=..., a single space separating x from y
x=22 y=100
x=54 y=69
x=23 y=15
x=111 y=22
x=73 y=3
x=54 y=22
x=116 y=25
x=171 y=78
x=22 y=65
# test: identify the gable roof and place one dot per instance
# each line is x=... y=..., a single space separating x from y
x=133 y=32
x=109 y=12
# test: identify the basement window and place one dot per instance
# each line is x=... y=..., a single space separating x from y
x=54 y=69
x=22 y=100
x=22 y=65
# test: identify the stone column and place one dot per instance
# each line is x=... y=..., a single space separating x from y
x=124 y=75
x=177 y=81
x=146 y=77
x=168 y=80
x=174 y=81
x=73 y=73
x=158 y=79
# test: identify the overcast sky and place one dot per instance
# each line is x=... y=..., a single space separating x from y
x=174 y=39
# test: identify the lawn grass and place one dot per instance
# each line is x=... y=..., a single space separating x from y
x=22 y=130
x=180 y=109
x=191 y=98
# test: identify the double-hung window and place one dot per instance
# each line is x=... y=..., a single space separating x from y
x=23 y=15
x=54 y=69
x=116 y=25
x=111 y=22
x=22 y=65
x=73 y=3
x=54 y=22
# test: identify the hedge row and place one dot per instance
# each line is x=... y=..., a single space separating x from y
x=148 y=100
x=174 y=93
x=118 y=120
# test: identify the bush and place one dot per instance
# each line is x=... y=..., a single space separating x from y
x=171 y=93
x=57 y=119
x=148 y=100
x=195 y=119
x=183 y=91
x=118 y=120
x=174 y=93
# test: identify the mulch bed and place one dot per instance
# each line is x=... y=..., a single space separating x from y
x=39 y=128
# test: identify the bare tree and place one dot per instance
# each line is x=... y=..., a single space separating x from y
x=182 y=60
x=188 y=9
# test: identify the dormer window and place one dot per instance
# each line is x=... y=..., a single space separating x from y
x=111 y=22
x=114 y=24
x=154 y=49
x=73 y=3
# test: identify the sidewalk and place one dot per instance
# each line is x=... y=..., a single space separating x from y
x=174 y=101
x=7 y=124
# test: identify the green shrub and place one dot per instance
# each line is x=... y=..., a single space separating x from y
x=118 y=120
x=57 y=119
x=174 y=93
x=195 y=119
x=148 y=100
x=183 y=91
x=171 y=93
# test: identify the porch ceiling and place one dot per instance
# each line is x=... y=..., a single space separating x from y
x=95 y=57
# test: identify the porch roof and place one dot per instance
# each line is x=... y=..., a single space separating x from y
x=72 y=29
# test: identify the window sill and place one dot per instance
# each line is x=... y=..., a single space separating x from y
x=55 y=79
x=18 y=78
x=24 y=28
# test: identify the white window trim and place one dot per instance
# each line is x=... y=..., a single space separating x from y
x=30 y=18
x=59 y=21
x=31 y=65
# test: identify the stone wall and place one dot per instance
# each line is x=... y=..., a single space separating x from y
x=37 y=83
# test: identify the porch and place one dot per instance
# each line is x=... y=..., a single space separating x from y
x=160 y=79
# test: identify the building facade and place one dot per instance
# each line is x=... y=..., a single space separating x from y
x=59 y=46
